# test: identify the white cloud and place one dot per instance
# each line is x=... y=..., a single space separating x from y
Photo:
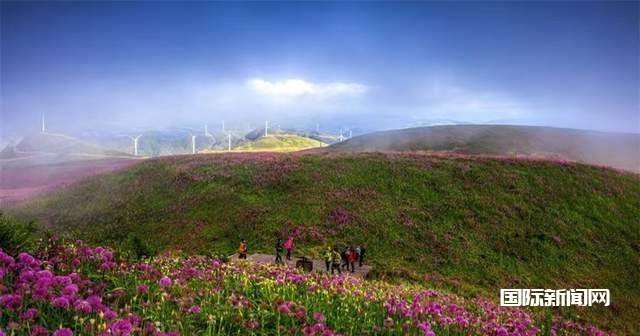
x=448 y=100
x=294 y=88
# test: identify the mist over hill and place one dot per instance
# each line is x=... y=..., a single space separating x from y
x=54 y=144
x=617 y=150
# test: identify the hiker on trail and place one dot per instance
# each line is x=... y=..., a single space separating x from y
x=279 y=251
x=358 y=251
x=242 y=250
x=336 y=262
x=361 y=255
x=351 y=259
x=328 y=258
x=343 y=257
x=288 y=245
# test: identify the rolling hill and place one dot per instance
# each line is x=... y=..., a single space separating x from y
x=620 y=151
x=280 y=142
x=39 y=144
x=43 y=162
x=469 y=225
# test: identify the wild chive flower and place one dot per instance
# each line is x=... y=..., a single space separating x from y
x=285 y=307
x=11 y=301
x=61 y=302
x=121 y=328
x=165 y=282
x=318 y=316
x=70 y=290
x=82 y=306
x=63 y=332
x=29 y=314
x=142 y=289
x=38 y=330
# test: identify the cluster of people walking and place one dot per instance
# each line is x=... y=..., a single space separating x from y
x=335 y=259
x=346 y=258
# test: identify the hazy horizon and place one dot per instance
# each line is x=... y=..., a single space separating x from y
x=370 y=66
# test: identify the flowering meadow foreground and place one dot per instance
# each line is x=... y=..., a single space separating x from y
x=74 y=289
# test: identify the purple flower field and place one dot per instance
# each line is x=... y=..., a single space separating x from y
x=74 y=289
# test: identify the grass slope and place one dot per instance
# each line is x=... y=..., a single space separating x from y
x=471 y=225
x=606 y=149
x=280 y=143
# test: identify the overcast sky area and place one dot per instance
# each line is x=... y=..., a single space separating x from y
x=377 y=65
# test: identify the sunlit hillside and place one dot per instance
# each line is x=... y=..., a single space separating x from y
x=279 y=143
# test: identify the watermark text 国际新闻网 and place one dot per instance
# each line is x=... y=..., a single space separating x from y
x=553 y=297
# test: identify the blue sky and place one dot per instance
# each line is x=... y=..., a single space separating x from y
x=372 y=65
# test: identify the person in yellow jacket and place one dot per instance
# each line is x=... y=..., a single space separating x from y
x=337 y=258
x=242 y=250
x=328 y=258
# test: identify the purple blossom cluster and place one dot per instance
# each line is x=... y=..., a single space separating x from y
x=30 y=289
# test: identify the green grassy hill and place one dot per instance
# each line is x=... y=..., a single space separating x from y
x=599 y=148
x=472 y=226
x=279 y=142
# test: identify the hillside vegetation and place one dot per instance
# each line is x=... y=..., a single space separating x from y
x=469 y=225
x=606 y=149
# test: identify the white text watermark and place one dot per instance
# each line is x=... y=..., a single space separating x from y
x=553 y=297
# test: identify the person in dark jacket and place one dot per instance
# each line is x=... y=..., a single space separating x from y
x=343 y=257
x=279 y=251
x=361 y=255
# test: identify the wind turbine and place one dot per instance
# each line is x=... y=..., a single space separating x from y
x=44 y=129
x=341 y=137
x=193 y=143
x=223 y=126
x=350 y=134
x=229 y=142
x=135 y=144
x=206 y=131
x=266 y=128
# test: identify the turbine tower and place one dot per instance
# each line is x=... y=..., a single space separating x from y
x=266 y=128
x=350 y=134
x=223 y=126
x=44 y=129
x=341 y=137
x=229 y=142
x=193 y=143
x=135 y=144
x=206 y=130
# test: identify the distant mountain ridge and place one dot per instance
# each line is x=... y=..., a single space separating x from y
x=617 y=150
x=50 y=143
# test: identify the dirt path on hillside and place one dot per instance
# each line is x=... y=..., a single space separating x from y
x=318 y=265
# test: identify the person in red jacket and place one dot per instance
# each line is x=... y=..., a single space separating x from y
x=351 y=259
x=288 y=245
